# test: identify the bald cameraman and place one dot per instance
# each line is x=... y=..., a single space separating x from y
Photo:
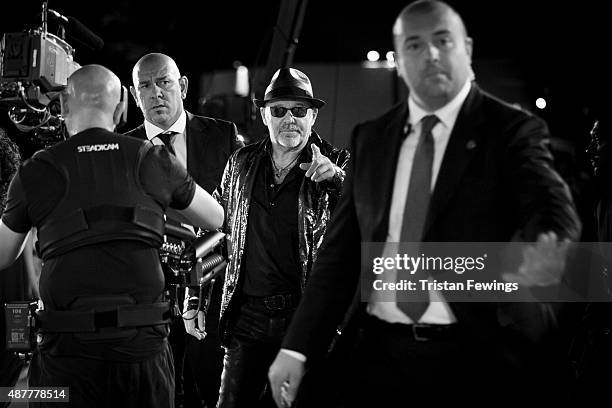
x=98 y=201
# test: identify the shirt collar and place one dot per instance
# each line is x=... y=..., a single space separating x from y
x=447 y=114
x=178 y=126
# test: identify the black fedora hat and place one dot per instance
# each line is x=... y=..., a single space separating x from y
x=289 y=83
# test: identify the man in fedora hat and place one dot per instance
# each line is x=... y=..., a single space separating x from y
x=279 y=195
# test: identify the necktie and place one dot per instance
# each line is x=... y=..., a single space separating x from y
x=167 y=138
x=415 y=211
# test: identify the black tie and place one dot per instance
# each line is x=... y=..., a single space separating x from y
x=415 y=211
x=167 y=138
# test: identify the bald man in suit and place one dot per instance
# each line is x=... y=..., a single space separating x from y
x=460 y=166
x=203 y=146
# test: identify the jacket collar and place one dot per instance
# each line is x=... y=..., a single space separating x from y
x=387 y=151
x=178 y=126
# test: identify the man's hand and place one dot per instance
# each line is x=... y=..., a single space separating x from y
x=543 y=263
x=189 y=319
x=320 y=168
x=285 y=375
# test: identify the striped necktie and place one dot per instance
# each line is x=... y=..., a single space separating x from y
x=167 y=137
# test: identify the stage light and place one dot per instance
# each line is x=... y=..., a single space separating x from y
x=373 y=56
x=242 y=80
x=390 y=57
x=540 y=103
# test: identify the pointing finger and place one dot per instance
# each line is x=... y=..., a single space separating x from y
x=312 y=168
x=316 y=152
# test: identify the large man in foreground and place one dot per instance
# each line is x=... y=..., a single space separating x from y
x=98 y=202
x=450 y=164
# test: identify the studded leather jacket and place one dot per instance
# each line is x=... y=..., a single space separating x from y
x=316 y=203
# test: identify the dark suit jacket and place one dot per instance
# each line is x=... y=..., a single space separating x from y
x=496 y=179
x=210 y=142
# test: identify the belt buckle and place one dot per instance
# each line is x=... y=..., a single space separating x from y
x=275 y=302
x=415 y=331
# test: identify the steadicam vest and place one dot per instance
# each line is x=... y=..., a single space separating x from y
x=103 y=198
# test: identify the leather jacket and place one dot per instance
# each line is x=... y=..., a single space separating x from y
x=316 y=203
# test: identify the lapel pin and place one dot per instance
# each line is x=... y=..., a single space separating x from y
x=470 y=145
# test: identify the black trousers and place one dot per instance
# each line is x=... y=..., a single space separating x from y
x=97 y=383
x=204 y=358
x=203 y=366
x=176 y=340
x=255 y=342
x=391 y=368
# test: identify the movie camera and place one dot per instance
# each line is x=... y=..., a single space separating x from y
x=34 y=69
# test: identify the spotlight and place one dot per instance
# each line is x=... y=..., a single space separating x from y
x=373 y=56
x=541 y=103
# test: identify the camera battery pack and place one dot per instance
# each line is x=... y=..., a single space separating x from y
x=19 y=332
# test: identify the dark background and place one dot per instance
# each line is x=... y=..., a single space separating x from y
x=558 y=50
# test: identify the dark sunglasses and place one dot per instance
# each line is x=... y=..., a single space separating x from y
x=280 y=111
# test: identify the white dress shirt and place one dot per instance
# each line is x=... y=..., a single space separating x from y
x=179 y=141
x=438 y=311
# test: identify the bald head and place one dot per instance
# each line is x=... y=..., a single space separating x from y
x=92 y=98
x=153 y=62
x=423 y=8
x=433 y=53
x=159 y=89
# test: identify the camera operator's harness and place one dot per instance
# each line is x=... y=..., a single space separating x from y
x=78 y=220
x=197 y=263
x=113 y=316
